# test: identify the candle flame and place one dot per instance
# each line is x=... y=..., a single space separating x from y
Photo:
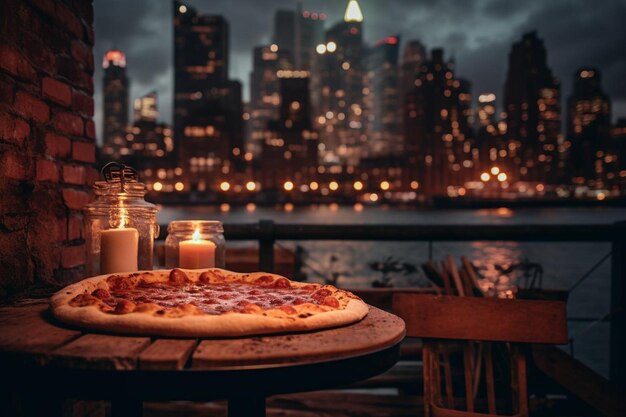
x=196 y=237
x=123 y=218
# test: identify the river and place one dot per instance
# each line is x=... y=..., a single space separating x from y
x=563 y=263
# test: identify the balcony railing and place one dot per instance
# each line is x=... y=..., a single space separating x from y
x=267 y=233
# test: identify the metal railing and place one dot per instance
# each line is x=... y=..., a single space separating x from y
x=266 y=232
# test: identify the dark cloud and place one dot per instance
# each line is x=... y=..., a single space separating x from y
x=479 y=32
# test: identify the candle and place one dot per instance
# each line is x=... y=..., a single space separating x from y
x=196 y=253
x=118 y=248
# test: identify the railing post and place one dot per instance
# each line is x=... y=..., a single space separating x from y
x=618 y=302
x=266 y=246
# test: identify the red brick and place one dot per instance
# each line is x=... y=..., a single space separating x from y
x=47 y=171
x=75 y=228
x=90 y=129
x=85 y=10
x=90 y=38
x=85 y=82
x=31 y=107
x=6 y=92
x=83 y=54
x=69 y=20
x=57 y=91
x=14 y=63
x=75 y=199
x=69 y=124
x=57 y=146
x=72 y=256
x=61 y=229
x=46 y=6
x=69 y=69
x=14 y=166
x=93 y=175
x=74 y=174
x=82 y=103
x=28 y=18
x=84 y=152
x=40 y=52
x=13 y=129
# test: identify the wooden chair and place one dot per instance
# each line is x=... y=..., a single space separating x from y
x=450 y=327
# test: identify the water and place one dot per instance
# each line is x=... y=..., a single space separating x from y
x=563 y=263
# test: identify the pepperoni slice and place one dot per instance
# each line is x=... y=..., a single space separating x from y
x=288 y=309
x=320 y=294
x=282 y=283
x=264 y=280
x=101 y=293
x=331 y=302
x=226 y=296
x=178 y=277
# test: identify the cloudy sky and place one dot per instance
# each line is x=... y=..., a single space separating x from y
x=478 y=32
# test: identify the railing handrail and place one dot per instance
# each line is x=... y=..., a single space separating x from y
x=266 y=229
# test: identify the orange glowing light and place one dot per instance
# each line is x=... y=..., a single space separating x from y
x=225 y=186
x=314 y=185
x=373 y=197
x=384 y=185
x=288 y=185
x=250 y=186
x=485 y=177
x=358 y=185
x=157 y=186
x=495 y=170
x=502 y=177
x=333 y=185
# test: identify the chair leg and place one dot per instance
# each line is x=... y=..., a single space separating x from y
x=447 y=370
x=426 y=352
x=491 y=390
x=468 y=367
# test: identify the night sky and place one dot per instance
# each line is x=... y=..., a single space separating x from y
x=478 y=32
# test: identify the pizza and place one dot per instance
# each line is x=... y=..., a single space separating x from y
x=203 y=303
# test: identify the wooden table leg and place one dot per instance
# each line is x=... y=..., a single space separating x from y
x=246 y=406
x=126 y=407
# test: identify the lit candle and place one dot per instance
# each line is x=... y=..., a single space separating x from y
x=118 y=248
x=196 y=253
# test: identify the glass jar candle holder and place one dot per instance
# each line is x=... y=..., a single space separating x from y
x=120 y=228
x=195 y=244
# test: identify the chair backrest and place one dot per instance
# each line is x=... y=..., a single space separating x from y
x=448 y=324
x=488 y=319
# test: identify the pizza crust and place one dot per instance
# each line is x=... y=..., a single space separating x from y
x=228 y=324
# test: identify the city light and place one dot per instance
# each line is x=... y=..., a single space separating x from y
x=502 y=177
x=274 y=47
x=288 y=207
x=358 y=207
x=225 y=186
x=288 y=185
x=485 y=177
x=157 y=186
x=384 y=185
x=331 y=46
x=358 y=185
x=333 y=185
x=495 y=170
x=179 y=186
x=250 y=186
x=373 y=197
x=314 y=185
x=320 y=49
x=224 y=207
x=182 y=8
x=250 y=207
x=414 y=185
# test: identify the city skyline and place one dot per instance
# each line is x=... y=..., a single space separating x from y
x=482 y=60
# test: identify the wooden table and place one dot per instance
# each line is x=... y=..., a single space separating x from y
x=52 y=362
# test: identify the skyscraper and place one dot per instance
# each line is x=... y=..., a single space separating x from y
x=115 y=97
x=588 y=128
x=208 y=123
x=297 y=33
x=148 y=140
x=438 y=139
x=533 y=112
x=413 y=59
x=383 y=125
x=340 y=90
x=265 y=90
x=290 y=143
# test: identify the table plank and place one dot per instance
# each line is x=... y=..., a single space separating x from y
x=376 y=331
x=28 y=328
x=97 y=351
x=167 y=354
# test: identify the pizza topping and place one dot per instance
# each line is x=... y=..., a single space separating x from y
x=282 y=283
x=117 y=283
x=288 y=309
x=321 y=294
x=178 y=277
x=124 y=307
x=83 y=300
x=101 y=293
x=264 y=280
x=331 y=301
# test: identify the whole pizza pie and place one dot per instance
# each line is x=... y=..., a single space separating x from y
x=203 y=303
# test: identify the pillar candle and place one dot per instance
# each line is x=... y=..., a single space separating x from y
x=118 y=250
x=196 y=253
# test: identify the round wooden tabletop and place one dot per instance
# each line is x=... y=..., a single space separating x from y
x=34 y=347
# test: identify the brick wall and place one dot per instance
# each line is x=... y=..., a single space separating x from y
x=47 y=139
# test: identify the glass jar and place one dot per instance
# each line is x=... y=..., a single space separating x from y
x=195 y=244
x=120 y=228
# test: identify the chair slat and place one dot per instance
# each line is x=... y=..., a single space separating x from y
x=487 y=319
